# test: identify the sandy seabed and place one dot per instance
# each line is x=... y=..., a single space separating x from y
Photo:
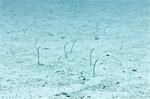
x=62 y=33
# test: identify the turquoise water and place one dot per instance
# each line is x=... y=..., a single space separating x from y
x=74 y=49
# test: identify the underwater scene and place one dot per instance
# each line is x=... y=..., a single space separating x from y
x=74 y=49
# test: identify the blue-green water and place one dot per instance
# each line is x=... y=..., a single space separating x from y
x=74 y=49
